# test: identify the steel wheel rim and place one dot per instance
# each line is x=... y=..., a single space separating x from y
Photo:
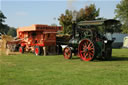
x=67 y=53
x=86 y=50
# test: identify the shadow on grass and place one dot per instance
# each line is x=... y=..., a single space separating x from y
x=75 y=58
x=114 y=58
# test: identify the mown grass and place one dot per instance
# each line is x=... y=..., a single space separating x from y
x=28 y=69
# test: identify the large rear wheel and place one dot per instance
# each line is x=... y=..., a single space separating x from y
x=86 y=50
x=67 y=53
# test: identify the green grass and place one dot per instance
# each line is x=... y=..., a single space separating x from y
x=28 y=69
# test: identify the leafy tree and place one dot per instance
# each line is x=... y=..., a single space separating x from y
x=125 y=28
x=2 y=19
x=66 y=21
x=5 y=29
x=12 y=32
x=87 y=13
x=81 y=15
x=122 y=14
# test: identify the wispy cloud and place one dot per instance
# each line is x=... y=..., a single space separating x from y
x=21 y=13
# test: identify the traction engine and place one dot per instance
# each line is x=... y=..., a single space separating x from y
x=89 y=41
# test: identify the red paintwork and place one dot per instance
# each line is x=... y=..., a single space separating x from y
x=38 y=35
x=86 y=50
x=36 y=51
x=20 y=50
x=23 y=44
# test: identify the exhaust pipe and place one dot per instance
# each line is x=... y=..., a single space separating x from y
x=73 y=28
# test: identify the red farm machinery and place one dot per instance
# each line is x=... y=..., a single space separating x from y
x=40 y=39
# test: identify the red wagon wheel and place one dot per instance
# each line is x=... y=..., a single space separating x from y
x=37 y=50
x=86 y=50
x=67 y=53
x=21 y=49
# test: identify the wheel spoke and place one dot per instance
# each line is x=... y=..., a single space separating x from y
x=89 y=48
x=82 y=51
x=85 y=55
x=89 y=57
x=85 y=44
x=91 y=53
x=89 y=45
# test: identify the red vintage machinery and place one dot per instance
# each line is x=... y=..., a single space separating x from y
x=37 y=38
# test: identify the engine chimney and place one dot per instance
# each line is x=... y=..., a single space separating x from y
x=73 y=28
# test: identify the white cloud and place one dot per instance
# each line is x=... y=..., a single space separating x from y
x=21 y=13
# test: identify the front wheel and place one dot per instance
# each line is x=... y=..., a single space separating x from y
x=86 y=50
x=67 y=53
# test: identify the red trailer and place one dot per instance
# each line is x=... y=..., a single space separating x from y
x=37 y=38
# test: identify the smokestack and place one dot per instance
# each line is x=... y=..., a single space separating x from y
x=74 y=23
x=74 y=14
x=73 y=28
x=70 y=4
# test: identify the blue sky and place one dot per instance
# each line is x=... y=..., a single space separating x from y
x=27 y=12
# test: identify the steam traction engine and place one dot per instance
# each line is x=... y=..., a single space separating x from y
x=38 y=38
x=89 y=42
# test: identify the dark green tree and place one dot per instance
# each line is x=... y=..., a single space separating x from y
x=66 y=21
x=122 y=14
x=2 y=26
x=2 y=17
x=12 y=32
x=87 y=13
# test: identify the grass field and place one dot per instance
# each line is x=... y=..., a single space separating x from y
x=28 y=69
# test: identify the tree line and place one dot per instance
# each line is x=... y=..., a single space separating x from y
x=5 y=29
x=91 y=13
x=122 y=14
x=88 y=13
